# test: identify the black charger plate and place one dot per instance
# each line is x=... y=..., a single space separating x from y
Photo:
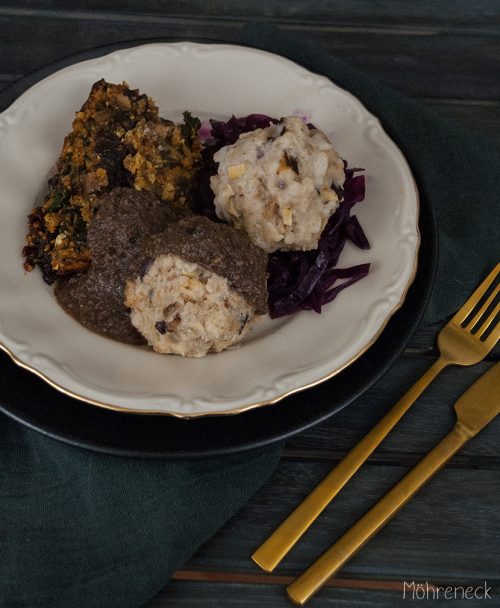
x=31 y=401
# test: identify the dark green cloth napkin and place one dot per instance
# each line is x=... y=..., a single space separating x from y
x=81 y=529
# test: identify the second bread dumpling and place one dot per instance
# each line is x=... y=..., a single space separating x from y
x=280 y=184
x=198 y=287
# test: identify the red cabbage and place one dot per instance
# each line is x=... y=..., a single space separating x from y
x=225 y=133
x=222 y=134
x=297 y=280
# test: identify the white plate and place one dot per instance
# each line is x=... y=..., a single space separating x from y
x=279 y=357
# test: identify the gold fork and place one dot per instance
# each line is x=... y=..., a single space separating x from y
x=460 y=342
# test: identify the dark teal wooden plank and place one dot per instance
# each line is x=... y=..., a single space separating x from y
x=451 y=529
x=429 y=14
x=428 y=420
x=444 y=65
x=6 y=79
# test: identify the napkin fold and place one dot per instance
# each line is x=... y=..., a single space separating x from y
x=82 y=529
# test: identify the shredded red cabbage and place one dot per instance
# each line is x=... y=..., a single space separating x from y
x=297 y=280
x=222 y=134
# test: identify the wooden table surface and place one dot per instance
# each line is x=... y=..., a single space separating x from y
x=447 y=56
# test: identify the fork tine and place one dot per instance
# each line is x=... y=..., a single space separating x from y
x=476 y=296
x=471 y=324
x=488 y=322
x=492 y=339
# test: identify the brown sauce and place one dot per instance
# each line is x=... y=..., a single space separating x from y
x=116 y=236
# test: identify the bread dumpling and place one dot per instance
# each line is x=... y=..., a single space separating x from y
x=198 y=287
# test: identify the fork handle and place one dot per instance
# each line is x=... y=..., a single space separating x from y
x=281 y=541
x=312 y=579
